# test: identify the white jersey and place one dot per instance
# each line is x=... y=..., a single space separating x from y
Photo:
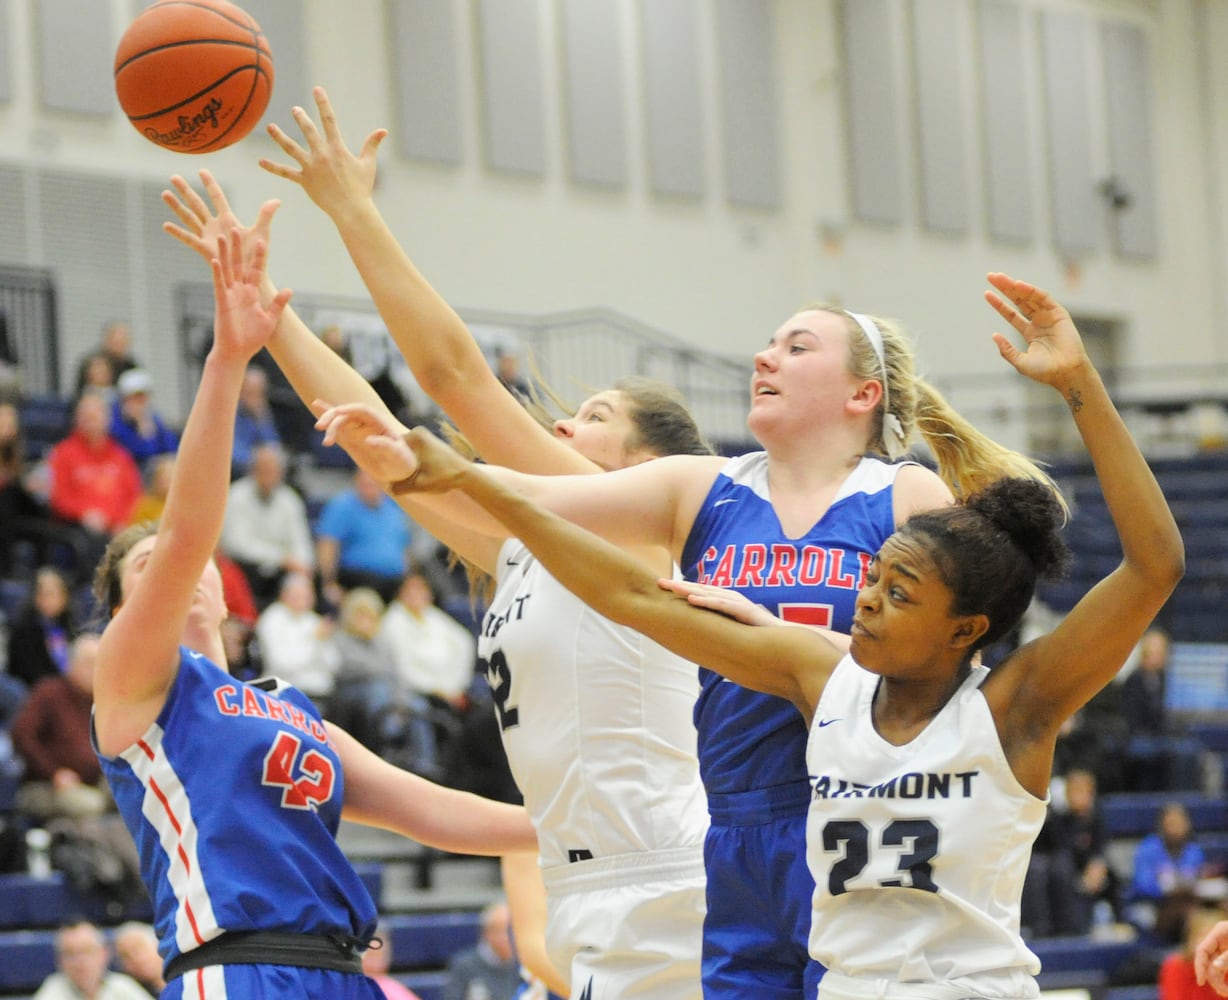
x=918 y=851
x=596 y=721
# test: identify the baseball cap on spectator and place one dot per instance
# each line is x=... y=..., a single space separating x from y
x=133 y=381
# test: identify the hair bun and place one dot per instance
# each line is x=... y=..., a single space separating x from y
x=1031 y=515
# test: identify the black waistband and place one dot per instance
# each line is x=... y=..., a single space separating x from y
x=334 y=951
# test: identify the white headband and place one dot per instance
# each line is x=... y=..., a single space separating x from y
x=893 y=432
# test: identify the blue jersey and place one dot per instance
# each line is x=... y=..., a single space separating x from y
x=748 y=740
x=233 y=797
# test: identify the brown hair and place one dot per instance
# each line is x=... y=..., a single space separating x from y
x=662 y=426
x=107 y=587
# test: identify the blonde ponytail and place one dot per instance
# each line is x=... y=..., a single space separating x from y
x=967 y=459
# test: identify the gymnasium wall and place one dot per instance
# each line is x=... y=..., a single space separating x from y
x=704 y=166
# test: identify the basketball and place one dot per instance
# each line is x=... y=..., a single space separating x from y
x=193 y=76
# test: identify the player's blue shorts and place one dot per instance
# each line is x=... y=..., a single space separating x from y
x=270 y=982
x=760 y=894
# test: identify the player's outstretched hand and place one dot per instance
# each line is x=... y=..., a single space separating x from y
x=1211 y=959
x=333 y=177
x=203 y=223
x=728 y=602
x=242 y=323
x=1053 y=348
x=370 y=438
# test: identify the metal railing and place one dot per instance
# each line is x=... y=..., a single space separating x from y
x=1177 y=410
x=29 y=339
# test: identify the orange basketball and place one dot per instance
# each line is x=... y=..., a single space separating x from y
x=193 y=75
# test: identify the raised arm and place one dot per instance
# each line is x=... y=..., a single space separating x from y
x=312 y=367
x=441 y=353
x=790 y=663
x=138 y=652
x=1049 y=679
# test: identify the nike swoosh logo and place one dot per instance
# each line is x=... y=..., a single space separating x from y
x=512 y=562
x=726 y=500
x=588 y=990
x=827 y=722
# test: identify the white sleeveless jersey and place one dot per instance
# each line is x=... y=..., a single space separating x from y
x=919 y=851
x=596 y=721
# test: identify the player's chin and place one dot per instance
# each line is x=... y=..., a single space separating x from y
x=862 y=649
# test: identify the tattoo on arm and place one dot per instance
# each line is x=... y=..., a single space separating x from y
x=1075 y=400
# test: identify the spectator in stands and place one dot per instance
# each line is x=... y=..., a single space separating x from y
x=435 y=654
x=1095 y=883
x=1094 y=739
x=294 y=640
x=369 y=700
x=97 y=377
x=489 y=968
x=1167 y=867
x=135 y=423
x=239 y=627
x=41 y=631
x=82 y=959
x=335 y=338
x=266 y=529
x=362 y=540
x=52 y=734
x=1069 y=874
x=507 y=368
x=254 y=423
x=136 y=948
x=377 y=960
x=1178 y=975
x=63 y=788
x=95 y=483
x=14 y=496
x=157 y=477
x=114 y=351
x=1142 y=702
x=24 y=517
x=1158 y=756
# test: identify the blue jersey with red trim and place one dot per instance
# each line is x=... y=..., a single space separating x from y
x=748 y=740
x=233 y=797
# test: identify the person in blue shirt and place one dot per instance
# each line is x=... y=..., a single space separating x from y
x=135 y=424
x=254 y=424
x=1167 y=867
x=362 y=540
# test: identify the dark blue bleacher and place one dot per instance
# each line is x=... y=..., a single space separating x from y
x=45 y=420
x=26 y=959
x=1068 y=962
x=29 y=902
x=425 y=941
x=372 y=875
x=1135 y=814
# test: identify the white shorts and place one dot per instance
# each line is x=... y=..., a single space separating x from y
x=629 y=926
x=1013 y=984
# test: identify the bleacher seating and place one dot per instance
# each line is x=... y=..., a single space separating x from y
x=1135 y=814
x=1194 y=488
x=26 y=959
x=45 y=420
x=1078 y=961
x=422 y=942
x=427 y=940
